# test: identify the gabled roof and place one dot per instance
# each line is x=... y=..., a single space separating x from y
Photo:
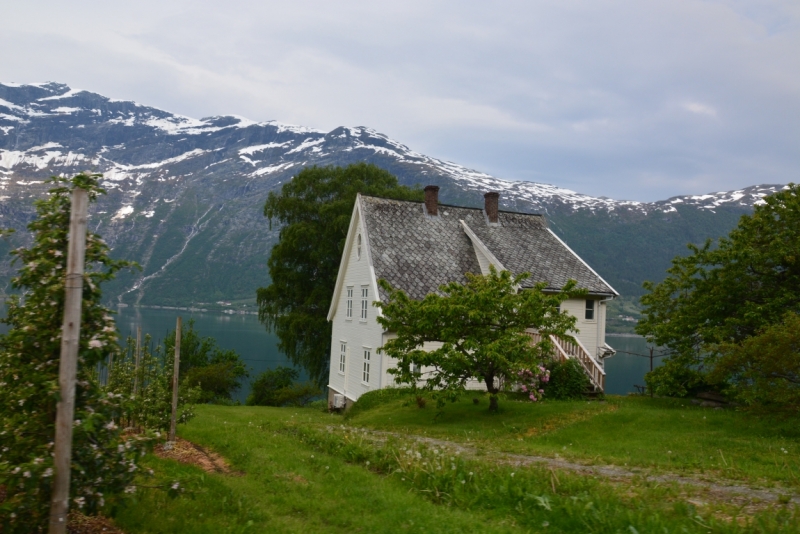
x=418 y=253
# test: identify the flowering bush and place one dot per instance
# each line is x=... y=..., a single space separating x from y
x=103 y=461
x=531 y=382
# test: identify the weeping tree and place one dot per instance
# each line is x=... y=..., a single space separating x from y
x=314 y=210
x=103 y=461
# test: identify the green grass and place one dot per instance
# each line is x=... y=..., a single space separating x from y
x=302 y=470
x=287 y=486
x=664 y=434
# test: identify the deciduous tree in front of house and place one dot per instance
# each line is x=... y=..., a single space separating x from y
x=480 y=329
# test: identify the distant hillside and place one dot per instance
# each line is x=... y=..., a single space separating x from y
x=186 y=195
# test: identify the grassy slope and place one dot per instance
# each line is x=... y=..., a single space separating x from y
x=668 y=434
x=288 y=486
x=307 y=471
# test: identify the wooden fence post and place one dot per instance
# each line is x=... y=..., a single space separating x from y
x=68 y=364
x=175 y=371
x=137 y=359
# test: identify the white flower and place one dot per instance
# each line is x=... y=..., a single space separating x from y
x=27 y=474
x=111 y=426
x=80 y=501
x=95 y=344
x=130 y=489
x=48 y=472
x=176 y=485
x=512 y=475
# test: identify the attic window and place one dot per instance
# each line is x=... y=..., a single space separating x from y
x=358 y=246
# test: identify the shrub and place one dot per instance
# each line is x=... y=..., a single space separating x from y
x=568 y=380
x=266 y=386
x=216 y=371
x=297 y=394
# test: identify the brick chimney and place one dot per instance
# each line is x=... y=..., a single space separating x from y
x=432 y=200
x=491 y=202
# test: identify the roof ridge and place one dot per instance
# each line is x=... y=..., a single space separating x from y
x=451 y=205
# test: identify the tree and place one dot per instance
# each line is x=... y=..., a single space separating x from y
x=277 y=387
x=481 y=326
x=314 y=209
x=764 y=370
x=103 y=461
x=215 y=370
x=726 y=293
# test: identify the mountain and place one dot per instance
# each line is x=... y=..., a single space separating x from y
x=186 y=195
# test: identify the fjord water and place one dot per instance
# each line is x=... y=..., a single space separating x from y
x=259 y=348
x=624 y=370
x=242 y=333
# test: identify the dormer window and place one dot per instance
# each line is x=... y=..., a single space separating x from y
x=358 y=246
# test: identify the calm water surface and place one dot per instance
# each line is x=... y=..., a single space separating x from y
x=625 y=370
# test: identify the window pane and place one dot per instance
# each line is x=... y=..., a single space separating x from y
x=589 y=310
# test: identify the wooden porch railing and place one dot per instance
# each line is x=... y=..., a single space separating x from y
x=567 y=350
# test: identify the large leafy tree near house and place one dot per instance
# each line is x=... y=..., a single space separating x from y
x=314 y=209
x=481 y=327
x=723 y=294
x=103 y=461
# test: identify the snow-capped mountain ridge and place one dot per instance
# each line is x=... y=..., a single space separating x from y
x=185 y=196
x=304 y=146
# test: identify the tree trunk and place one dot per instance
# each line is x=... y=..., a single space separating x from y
x=489 y=381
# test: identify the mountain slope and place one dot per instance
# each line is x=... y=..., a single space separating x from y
x=185 y=195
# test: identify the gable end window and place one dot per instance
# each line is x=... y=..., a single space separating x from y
x=589 y=316
x=358 y=247
x=349 y=304
x=342 y=356
x=364 y=303
x=365 y=372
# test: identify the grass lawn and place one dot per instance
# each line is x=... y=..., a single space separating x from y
x=665 y=434
x=286 y=487
x=302 y=470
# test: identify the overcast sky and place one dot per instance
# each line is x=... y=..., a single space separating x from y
x=629 y=99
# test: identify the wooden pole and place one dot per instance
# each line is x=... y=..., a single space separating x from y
x=68 y=364
x=651 y=366
x=137 y=359
x=175 y=370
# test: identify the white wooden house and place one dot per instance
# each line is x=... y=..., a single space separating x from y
x=417 y=247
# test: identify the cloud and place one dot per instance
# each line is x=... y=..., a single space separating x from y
x=593 y=96
x=699 y=109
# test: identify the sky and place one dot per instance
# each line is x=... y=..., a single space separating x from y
x=637 y=100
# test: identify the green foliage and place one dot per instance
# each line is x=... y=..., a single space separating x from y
x=146 y=394
x=315 y=209
x=568 y=380
x=216 y=371
x=277 y=387
x=103 y=462
x=725 y=294
x=764 y=370
x=481 y=325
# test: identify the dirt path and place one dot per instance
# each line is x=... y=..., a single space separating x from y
x=187 y=452
x=711 y=490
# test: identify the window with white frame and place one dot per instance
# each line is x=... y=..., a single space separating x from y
x=342 y=356
x=365 y=373
x=349 y=304
x=589 y=316
x=364 y=302
x=358 y=247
